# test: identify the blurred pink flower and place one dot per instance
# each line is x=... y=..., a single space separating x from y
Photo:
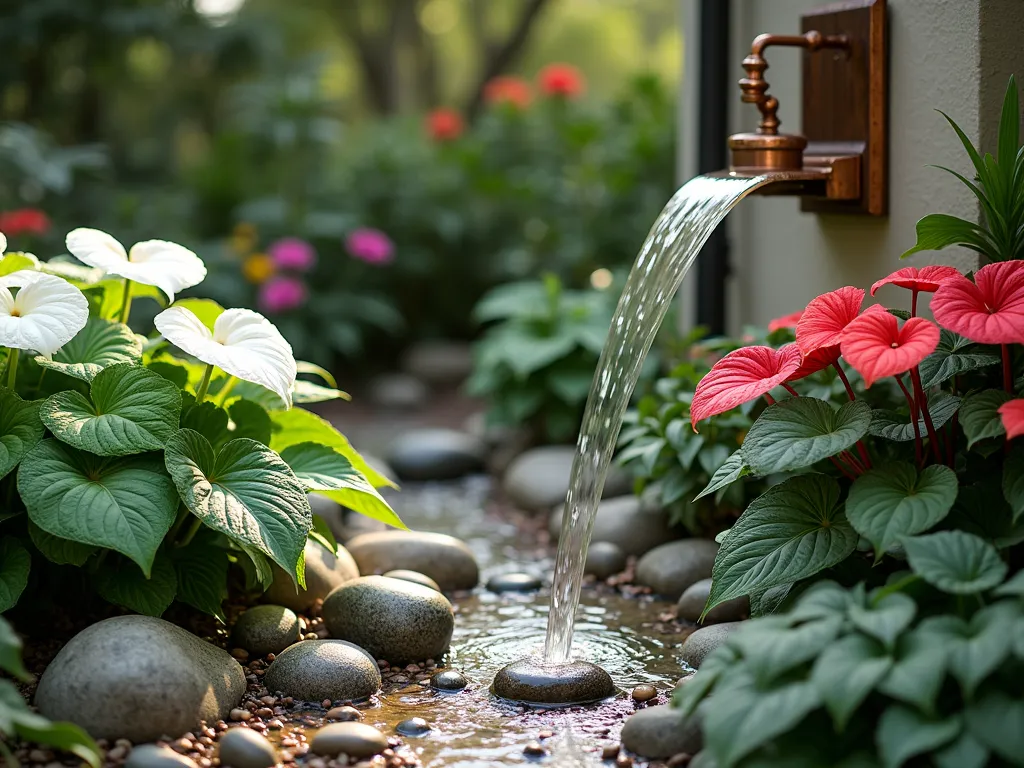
x=370 y=245
x=292 y=253
x=280 y=294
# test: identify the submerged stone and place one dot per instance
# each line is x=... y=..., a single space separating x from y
x=324 y=572
x=138 y=678
x=244 y=748
x=415 y=577
x=513 y=582
x=534 y=681
x=354 y=739
x=658 y=732
x=414 y=726
x=448 y=680
x=314 y=670
x=445 y=559
x=265 y=629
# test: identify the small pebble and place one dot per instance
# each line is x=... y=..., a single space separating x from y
x=344 y=714
x=326 y=703
x=534 y=749
x=414 y=726
x=513 y=582
x=244 y=748
x=679 y=761
x=240 y=653
x=610 y=751
x=448 y=680
x=545 y=734
x=624 y=761
x=240 y=714
x=644 y=693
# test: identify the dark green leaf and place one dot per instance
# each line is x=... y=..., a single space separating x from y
x=975 y=648
x=731 y=471
x=1009 y=133
x=965 y=752
x=209 y=420
x=250 y=420
x=570 y=386
x=126 y=504
x=244 y=490
x=886 y=620
x=954 y=355
x=122 y=583
x=846 y=672
x=133 y=410
x=956 y=562
x=802 y=431
x=10 y=652
x=771 y=647
x=202 y=571
x=822 y=600
x=995 y=720
x=939 y=230
x=58 y=550
x=1013 y=481
x=790 y=532
x=893 y=500
x=918 y=671
x=1014 y=586
x=904 y=733
x=100 y=344
x=769 y=601
x=67 y=737
x=20 y=429
x=894 y=426
x=322 y=534
x=979 y=415
x=14 y=566
x=713 y=457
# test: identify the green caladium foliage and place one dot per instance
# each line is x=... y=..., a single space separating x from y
x=99 y=345
x=14 y=567
x=20 y=429
x=956 y=562
x=791 y=532
x=326 y=471
x=953 y=356
x=802 y=431
x=728 y=473
x=132 y=410
x=1013 y=482
x=979 y=415
x=57 y=550
x=122 y=583
x=893 y=501
x=904 y=733
x=244 y=490
x=845 y=674
x=894 y=426
x=202 y=571
x=126 y=504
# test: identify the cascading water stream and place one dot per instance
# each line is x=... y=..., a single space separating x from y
x=667 y=254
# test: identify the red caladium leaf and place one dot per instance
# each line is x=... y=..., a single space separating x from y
x=822 y=323
x=988 y=311
x=818 y=360
x=924 y=280
x=786 y=321
x=1012 y=414
x=741 y=376
x=877 y=346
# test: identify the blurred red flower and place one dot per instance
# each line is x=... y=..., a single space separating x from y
x=445 y=124
x=561 y=80
x=508 y=90
x=24 y=220
x=786 y=321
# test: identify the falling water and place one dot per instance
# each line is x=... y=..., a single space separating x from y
x=666 y=256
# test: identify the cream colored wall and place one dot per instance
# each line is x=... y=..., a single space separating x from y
x=949 y=54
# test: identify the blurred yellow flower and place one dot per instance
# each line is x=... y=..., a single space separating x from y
x=258 y=268
x=243 y=238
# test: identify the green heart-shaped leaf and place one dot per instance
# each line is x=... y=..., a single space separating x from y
x=100 y=344
x=202 y=570
x=885 y=620
x=846 y=672
x=58 y=550
x=975 y=648
x=904 y=732
x=121 y=583
x=14 y=566
x=995 y=720
x=954 y=355
x=802 y=431
x=979 y=415
x=790 y=532
x=251 y=420
x=727 y=474
x=1013 y=481
x=209 y=420
x=894 y=426
x=893 y=500
x=918 y=671
x=133 y=410
x=956 y=562
x=325 y=471
x=125 y=504
x=10 y=652
x=20 y=429
x=298 y=426
x=244 y=490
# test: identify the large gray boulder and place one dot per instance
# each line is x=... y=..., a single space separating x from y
x=324 y=572
x=702 y=642
x=436 y=454
x=538 y=479
x=635 y=524
x=671 y=568
x=139 y=678
x=392 y=619
x=658 y=732
x=445 y=559
x=314 y=670
x=693 y=600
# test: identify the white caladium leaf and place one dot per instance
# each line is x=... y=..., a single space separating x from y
x=46 y=313
x=243 y=343
x=168 y=266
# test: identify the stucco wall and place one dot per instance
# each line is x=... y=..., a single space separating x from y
x=950 y=54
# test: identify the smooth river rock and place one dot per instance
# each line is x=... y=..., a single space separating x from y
x=156 y=756
x=139 y=678
x=448 y=680
x=538 y=479
x=670 y=569
x=392 y=619
x=415 y=577
x=398 y=391
x=702 y=642
x=513 y=582
x=436 y=454
x=443 y=558
x=633 y=523
x=693 y=600
x=324 y=572
x=265 y=629
x=537 y=682
x=314 y=670
x=244 y=748
x=604 y=559
x=661 y=731
x=354 y=739
x=444 y=363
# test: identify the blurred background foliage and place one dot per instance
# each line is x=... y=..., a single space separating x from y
x=363 y=171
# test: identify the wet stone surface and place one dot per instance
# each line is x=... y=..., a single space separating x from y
x=513 y=582
x=538 y=682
